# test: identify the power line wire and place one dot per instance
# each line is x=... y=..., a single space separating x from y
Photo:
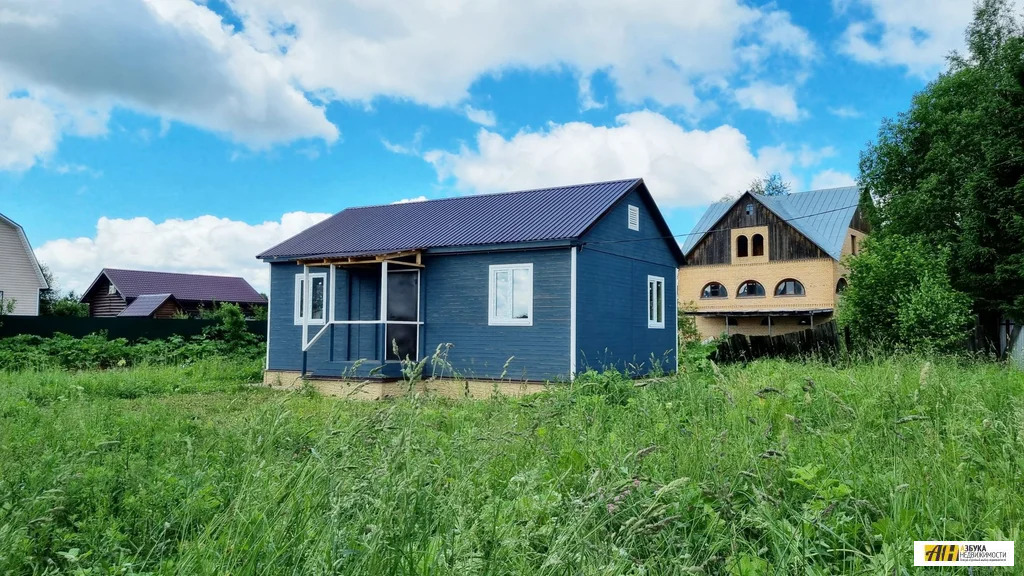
x=674 y=236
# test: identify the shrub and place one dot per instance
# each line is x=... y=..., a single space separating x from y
x=900 y=297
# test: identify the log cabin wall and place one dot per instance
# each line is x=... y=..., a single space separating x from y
x=102 y=303
x=784 y=241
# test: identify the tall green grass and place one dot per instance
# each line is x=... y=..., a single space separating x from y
x=771 y=468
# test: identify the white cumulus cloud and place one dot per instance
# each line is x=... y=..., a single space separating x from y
x=29 y=131
x=174 y=59
x=481 y=117
x=914 y=34
x=432 y=52
x=830 y=178
x=779 y=101
x=266 y=81
x=203 y=245
x=682 y=167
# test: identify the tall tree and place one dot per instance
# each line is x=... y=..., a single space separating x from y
x=950 y=170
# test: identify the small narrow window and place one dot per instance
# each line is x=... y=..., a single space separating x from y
x=714 y=290
x=732 y=321
x=510 y=295
x=634 y=218
x=757 y=248
x=853 y=244
x=789 y=287
x=750 y=209
x=750 y=289
x=741 y=247
x=111 y=290
x=655 y=302
x=841 y=285
x=317 y=298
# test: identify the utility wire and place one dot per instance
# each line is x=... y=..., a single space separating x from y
x=674 y=236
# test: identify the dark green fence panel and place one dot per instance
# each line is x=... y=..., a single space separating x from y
x=127 y=328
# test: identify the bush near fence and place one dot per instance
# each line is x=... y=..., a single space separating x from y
x=131 y=329
x=822 y=340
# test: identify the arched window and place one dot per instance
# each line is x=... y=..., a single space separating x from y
x=714 y=290
x=789 y=287
x=750 y=289
x=757 y=249
x=841 y=285
x=741 y=247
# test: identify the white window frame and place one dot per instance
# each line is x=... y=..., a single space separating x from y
x=308 y=302
x=492 y=272
x=652 y=313
x=633 y=219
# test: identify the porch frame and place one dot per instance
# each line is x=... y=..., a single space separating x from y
x=330 y=312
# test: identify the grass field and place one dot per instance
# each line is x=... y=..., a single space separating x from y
x=771 y=468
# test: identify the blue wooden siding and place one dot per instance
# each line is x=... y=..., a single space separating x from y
x=612 y=268
x=455 y=293
x=611 y=294
x=357 y=297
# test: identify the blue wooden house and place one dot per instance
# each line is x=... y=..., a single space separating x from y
x=535 y=285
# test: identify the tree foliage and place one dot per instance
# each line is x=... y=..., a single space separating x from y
x=899 y=297
x=770 y=184
x=53 y=303
x=950 y=170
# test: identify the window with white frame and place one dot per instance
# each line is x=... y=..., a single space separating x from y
x=634 y=218
x=655 y=302
x=510 y=295
x=318 y=296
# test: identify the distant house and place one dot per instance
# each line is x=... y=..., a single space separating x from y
x=21 y=278
x=139 y=293
x=529 y=286
x=768 y=265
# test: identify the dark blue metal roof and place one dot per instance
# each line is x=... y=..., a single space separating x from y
x=562 y=213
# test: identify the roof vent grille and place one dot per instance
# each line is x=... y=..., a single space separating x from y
x=634 y=218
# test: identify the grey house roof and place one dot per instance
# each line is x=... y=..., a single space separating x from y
x=562 y=213
x=190 y=287
x=823 y=216
x=144 y=305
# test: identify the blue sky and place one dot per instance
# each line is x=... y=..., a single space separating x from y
x=181 y=135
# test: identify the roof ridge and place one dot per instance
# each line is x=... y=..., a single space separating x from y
x=172 y=273
x=491 y=194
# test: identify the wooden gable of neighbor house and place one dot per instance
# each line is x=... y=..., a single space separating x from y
x=784 y=241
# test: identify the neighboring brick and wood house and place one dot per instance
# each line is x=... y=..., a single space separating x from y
x=769 y=265
x=526 y=286
x=139 y=293
x=21 y=278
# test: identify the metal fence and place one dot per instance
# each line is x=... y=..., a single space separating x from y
x=128 y=328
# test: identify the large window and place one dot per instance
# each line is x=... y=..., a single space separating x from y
x=750 y=289
x=510 y=295
x=315 y=308
x=789 y=287
x=655 y=302
x=714 y=290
